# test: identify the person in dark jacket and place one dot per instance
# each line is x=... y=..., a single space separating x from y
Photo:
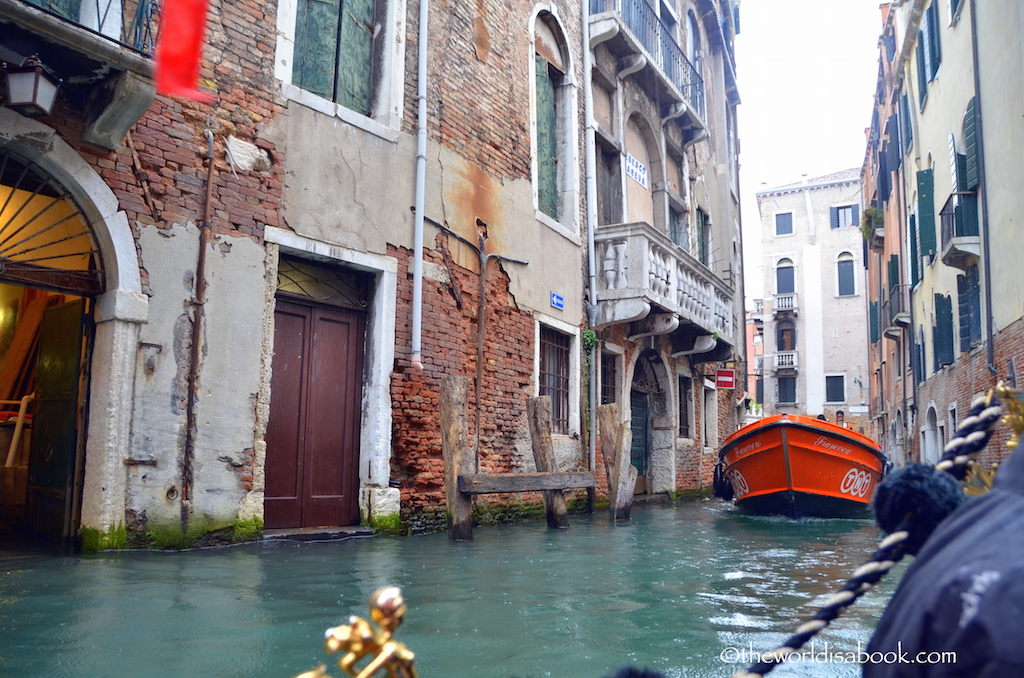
x=959 y=610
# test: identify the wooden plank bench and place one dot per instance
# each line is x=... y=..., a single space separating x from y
x=459 y=458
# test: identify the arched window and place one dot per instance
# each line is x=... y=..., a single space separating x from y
x=785 y=277
x=640 y=169
x=844 y=271
x=785 y=336
x=552 y=115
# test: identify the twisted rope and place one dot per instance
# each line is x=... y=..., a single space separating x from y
x=970 y=438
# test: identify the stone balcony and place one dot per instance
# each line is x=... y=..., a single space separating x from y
x=641 y=271
x=785 y=360
x=99 y=49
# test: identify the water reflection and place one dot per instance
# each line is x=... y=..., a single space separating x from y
x=670 y=590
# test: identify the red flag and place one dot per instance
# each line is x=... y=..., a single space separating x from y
x=180 y=47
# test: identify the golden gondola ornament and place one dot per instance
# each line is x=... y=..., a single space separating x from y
x=359 y=639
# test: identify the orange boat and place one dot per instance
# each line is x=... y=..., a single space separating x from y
x=799 y=467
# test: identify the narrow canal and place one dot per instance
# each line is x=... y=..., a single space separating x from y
x=681 y=589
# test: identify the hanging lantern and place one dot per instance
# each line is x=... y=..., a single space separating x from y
x=30 y=89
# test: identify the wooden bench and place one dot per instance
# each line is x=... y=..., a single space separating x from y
x=461 y=481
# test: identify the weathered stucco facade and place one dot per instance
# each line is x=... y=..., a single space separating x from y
x=815 y=359
x=277 y=281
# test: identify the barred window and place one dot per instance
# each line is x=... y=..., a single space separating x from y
x=554 y=376
x=685 y=406
x=609 y=377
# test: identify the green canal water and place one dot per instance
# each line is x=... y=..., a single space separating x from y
x=681 y=588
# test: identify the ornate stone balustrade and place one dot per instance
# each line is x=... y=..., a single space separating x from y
x=641 y=268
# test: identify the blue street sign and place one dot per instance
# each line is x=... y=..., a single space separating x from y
x=557 y=301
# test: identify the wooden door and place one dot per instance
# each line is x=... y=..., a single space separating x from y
x=54 y=449
x=312 y=477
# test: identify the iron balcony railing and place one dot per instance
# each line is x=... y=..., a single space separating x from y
x=895 y=310
x=659 y=42
x=959 y=217
x=131 y=23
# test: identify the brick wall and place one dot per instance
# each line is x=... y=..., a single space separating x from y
x=449 y=347
x=965 y=378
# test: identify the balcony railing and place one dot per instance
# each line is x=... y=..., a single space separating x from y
x=785 y=360
x=896 y=312
x=785 y=303
x=659 y=43
x=128 y=22
x=759 y=365
x=959 y=225
x=642 y=268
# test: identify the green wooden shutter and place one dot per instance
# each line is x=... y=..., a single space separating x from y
x=934 y=45
x=833 y=215
x=908 y=124
x=856 y=215
x=922 y=70
x=355 y=55
x=926 y=211
x=915 y=257
x=547 y=172
x=894 y=273
x=316 y=46
x=943 y=331
x=874 y=322
x=963 y=304
x=971 y=134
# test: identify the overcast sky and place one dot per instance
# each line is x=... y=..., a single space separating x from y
x=806 y=73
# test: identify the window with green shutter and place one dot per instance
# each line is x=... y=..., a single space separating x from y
x=334 y=50
x=908 y=123
x=971 y=137
x=547 y=147
x=915 y=257
x=894 y=273
x=874 y=322
x=926 y=212
x=969 y=308
x=942 y=332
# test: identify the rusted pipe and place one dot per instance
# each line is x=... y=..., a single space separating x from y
x=198 y=300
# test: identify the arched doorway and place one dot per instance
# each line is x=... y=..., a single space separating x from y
x=931 y=449
x=72 y=245
x=651 y=451
x=51 y=272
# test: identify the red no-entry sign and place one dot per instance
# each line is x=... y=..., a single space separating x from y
x=725 y=378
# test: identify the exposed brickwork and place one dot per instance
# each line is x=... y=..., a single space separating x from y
x=479 y=104
x=449 y=347
x=966 y=378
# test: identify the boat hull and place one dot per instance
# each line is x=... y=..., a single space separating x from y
x=801 y=467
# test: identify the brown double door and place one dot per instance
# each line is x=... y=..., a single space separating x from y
x=312 y=476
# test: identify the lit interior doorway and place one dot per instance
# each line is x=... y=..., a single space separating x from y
x=50 y=275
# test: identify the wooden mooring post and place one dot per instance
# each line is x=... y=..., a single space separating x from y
x=461 y=482
x=616 y=437
x=456 y=453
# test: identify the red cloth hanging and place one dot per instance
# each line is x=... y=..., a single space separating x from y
x=180 y=48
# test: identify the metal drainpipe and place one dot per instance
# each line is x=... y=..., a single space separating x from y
x=591 y=170
x=984 y=194
x=198 y=301
x=421 y=181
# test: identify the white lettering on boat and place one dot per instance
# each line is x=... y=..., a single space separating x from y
x=855 y=483
x=739 y=483
x=825 y=443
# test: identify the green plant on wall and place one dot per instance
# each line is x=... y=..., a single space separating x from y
x=590 y=341
x=870 y=220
